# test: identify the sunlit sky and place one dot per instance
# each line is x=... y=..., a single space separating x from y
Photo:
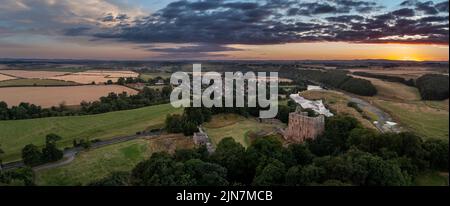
x=224 y=29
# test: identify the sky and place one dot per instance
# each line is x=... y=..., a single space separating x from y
x=225 y=29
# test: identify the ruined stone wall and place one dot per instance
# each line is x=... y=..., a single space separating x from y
x=301 y=127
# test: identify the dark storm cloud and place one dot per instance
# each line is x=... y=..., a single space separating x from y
x=427 y=8
x=442 y=7
x=405 y=12
x=210 y=24
x=201 y=48
x=77 y=31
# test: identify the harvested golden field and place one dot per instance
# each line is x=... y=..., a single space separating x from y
x=28 y=74
x=53 y=96
x=97 y=76
x=5 y=77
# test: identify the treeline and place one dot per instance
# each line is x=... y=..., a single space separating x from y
x=346 y=154
x=409 y=82
x=433 y=86
x=112 y=102
x=339 y=80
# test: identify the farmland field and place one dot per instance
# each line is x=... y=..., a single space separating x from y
x=5 y=77
x=14 y=135
x=35 y=82
x=28 y=74
x=407 y=72
x=147 y=76
x=96 y=164
x=53 y=96
x=238 y=127
x=97 y=76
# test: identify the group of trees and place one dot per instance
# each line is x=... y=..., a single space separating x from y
x=409 y=82
x=123 y=101
x=337 y=79
x=32 y=156
x=433 y=87
x=189 y=121
x=150 y=81
x=346 y=154
x=17 y=177
x=112 y=102
x=31 y=111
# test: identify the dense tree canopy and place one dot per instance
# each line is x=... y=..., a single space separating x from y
x=433 y=87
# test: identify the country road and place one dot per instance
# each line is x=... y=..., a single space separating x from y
x=70 y=154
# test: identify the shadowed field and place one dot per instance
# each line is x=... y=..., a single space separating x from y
x=96 y=164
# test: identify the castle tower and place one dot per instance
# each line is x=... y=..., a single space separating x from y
x=302 y=127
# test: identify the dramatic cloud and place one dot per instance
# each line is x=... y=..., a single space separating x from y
x=211 y=26
x=219 y=22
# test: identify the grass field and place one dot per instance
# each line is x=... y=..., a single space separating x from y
x=428 y=119
x=238 y=127
x=35 y=82
x=393 y=91
x=431 y=179
x=96 y=164
x=14 y=135
x=419 y=118
x=147 y=76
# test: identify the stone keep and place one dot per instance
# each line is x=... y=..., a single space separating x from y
x=301 y=127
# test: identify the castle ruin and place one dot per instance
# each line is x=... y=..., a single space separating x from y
x=302 y=127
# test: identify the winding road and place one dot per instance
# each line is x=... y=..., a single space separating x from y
x=70 y=154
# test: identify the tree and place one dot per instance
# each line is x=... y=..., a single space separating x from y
x=301 y=154
x=31 y=155
x=437 y=154
x=159 y=170
x=50 y=152
x=205 y=173
x=121 y=81
x=283 y=113
x=189 y=128
x=272 y=174
x=1 y=155
x=231 y=155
